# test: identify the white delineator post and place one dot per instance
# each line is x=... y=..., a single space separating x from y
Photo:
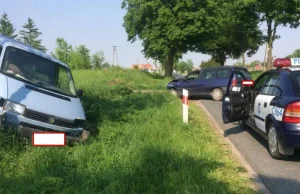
x=185 y=105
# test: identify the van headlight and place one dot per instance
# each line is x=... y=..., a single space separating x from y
x=14 y=107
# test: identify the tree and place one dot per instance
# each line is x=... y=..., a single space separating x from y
x=6 y=27
x=106 y=65
x=98 y=60
x=166 y=28
x=183 y=66
x=231 y=30
x=295 y=54
x=276 y=13
x=255 y=62
x=238 y=64
x=63 y=50
x=80 y=58
x=210 y=63
x=30 y=35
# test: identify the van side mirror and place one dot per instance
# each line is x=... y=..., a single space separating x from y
x=79 y=93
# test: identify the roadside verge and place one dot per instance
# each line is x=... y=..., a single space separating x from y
x=251 y=173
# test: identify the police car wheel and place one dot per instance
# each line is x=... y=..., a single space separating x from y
x=217 y=94
x=273 y=143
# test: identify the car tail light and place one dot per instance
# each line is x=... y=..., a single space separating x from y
x=292 y=113
x=234 y=81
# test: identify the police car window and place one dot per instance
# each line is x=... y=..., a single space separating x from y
x=208 y=74
x=223 y=73
x=270 y=87
x=261 y=82
x=295 y=79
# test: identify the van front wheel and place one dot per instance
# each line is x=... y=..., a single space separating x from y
x=217 y=94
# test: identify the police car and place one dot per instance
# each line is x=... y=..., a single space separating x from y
x=270 y=105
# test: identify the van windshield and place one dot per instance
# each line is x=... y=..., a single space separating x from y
x=38 y=70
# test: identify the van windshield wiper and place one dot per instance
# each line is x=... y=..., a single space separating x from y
x=49 y=87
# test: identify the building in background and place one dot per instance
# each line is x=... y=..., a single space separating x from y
x=144 y=67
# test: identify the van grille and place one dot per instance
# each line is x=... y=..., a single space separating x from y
x=34 y=115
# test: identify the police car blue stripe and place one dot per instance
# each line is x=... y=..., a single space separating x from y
x=259 y=118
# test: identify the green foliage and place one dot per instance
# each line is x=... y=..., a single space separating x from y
x=183 y=66
x=30 y=35
x=210 y=63
x=6 y=27
x=63 y=50
x=255 y=74
x=276 y=13
x=238 y=64
x=164 y=27
x=116 y=76
x=139 y=145
x=98 y=60
x=80 y=58
x=106 y=65
x=295 y=54
x=255 y=62
x=231 y=30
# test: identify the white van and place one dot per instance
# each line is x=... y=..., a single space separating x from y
x=37 y=93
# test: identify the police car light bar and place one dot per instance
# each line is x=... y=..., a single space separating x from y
x=286 y=62
x=282 y=62
x=248 y=83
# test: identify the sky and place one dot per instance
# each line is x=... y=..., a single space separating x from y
x=98 y=25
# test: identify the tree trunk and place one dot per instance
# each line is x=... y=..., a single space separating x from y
x=169 y=65
x=243 y=59
x=222 y=58
x=270 y=55
x=271 y=38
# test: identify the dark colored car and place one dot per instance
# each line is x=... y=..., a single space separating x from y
x=207 y=81
x=271 y=106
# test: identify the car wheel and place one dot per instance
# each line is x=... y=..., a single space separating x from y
x=217 y=94
x=273 y=143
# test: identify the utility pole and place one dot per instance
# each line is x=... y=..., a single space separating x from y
x=266 y=52
x=115 y=53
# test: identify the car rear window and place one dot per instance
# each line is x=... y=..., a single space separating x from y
x=244 y=72
x=295 y=79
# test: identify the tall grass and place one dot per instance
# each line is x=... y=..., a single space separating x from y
x=255 y=74
x=139 y=145
x=133 y=79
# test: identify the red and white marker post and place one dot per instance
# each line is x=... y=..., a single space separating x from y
x=185 y=105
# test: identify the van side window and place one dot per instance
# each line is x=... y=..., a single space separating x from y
x=208 y=74
x=0 y=49
x=223 y=73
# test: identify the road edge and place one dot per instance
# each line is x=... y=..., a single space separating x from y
x=252 y=174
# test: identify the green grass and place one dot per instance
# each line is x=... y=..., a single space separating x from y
x=255 y=74
x=133 y=79
x=139 y=145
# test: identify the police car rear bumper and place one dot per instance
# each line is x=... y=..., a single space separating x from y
x=288 y=134
x=289 y=140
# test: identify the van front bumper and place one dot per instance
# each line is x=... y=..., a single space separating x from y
x=25 y=127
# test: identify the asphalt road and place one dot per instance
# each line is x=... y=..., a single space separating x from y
x=280 y=177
